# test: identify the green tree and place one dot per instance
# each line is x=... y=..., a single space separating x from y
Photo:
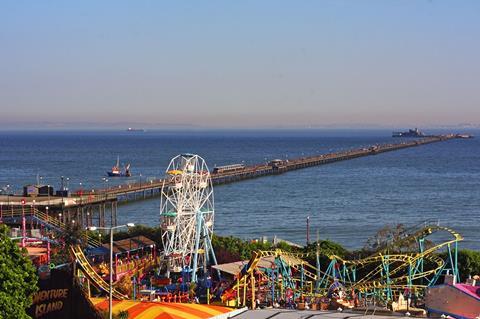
x=327 y=249
x=229 y=249
x=468 y=263
x=73 y=234
x=18 y=280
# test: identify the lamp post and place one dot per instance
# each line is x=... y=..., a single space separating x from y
x=308 y=230
x=105 y=187
x=6 y=190
x=110 y=288
x=80 y=192
x=24 y=224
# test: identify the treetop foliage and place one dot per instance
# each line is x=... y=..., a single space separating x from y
x=18 y=279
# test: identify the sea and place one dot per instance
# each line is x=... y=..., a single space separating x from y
x=347 y=202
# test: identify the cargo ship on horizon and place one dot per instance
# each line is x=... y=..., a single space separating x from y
x=132 y=129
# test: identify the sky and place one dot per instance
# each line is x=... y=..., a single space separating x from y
x=239 y=64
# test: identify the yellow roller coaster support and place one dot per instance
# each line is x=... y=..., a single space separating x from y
x=91 y=274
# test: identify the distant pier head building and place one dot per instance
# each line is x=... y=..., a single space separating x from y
x=410 y=133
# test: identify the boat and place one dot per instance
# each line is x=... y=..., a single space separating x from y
x=132 y=129
x=127 y=170
x=116 y=171
x=410 y=133
x=464 y=136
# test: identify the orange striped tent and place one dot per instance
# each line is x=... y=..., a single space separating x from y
x=161 y=310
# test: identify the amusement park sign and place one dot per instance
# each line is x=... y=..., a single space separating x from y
x=47 y=301
x=53 y=300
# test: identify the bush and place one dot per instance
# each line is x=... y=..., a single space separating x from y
x=229 y=249
x=468 y=263
x=123 y=314
x=152 y=233
x=327 y=249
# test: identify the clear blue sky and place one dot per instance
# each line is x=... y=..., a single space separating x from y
x=240 y=63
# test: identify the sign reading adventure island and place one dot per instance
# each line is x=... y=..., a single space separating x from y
x=54 y=298
x=48 y=301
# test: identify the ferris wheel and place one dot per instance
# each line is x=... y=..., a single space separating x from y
x=187 y=215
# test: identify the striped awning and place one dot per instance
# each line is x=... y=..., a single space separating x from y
x=162 y=310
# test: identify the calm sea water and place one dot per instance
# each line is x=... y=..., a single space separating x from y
x=346 y=201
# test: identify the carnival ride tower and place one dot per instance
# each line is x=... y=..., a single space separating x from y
x=187 y=215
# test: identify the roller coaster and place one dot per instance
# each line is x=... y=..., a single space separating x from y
x=381 y=277
x=277 y=275
x=91 y=274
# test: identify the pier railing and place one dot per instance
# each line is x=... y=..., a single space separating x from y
x=46 y=219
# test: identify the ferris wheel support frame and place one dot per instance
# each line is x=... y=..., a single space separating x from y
x=201 y=229
x=187 y=214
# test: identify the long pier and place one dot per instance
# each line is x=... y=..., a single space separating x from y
x=99 y=206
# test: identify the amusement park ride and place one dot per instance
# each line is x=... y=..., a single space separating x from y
x=377 y=279
x=406 y=267
x=187 y=215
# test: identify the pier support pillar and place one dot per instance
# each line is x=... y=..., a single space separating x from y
x=111 y=215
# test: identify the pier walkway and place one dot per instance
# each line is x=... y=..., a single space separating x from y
x=97 y=202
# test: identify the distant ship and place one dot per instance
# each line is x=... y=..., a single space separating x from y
x=410 y=133
x=131 y=129
x=117 y=172
x=465 y=136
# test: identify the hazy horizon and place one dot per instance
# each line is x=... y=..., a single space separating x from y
x=269 y=64
x=96 y=127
